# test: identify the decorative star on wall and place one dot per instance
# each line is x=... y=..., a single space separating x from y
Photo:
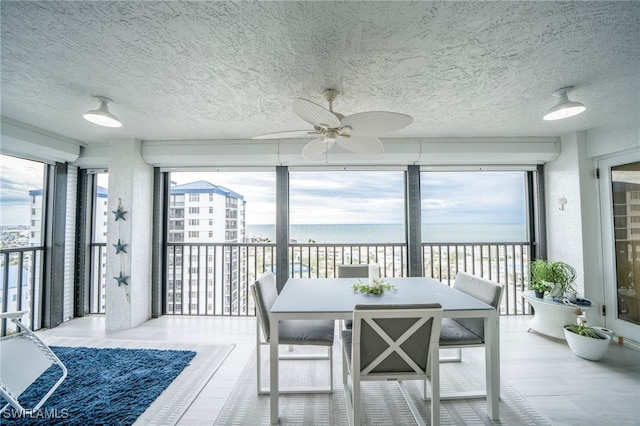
x=121 y=279
x=119 y=213
x=120 y=247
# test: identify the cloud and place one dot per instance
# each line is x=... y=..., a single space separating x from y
x=257 y=188
x=17 y=178
x=338 y=197
x=346 y=197
x=473 y=197
x=377 y=196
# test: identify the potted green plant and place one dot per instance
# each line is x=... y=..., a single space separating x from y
x=586 y=342
x=558 y=278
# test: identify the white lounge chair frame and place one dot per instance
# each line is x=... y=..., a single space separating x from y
x=24 y=357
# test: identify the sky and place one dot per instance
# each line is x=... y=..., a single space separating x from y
x=375 y=197
x=17 y=178
x=339 y=197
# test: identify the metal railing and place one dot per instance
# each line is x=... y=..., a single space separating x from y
x=321 y=261
x=21 y=284
x=98 y=278
x=504 y=263
x=214 y=278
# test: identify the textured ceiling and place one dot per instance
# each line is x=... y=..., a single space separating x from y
x=229 y=70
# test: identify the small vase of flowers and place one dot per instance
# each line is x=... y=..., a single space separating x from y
x=376 y=287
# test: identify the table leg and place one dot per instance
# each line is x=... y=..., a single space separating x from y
x=273 y=369
x=492 y=364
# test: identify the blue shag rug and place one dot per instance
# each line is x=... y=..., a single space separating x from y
x=104 y=386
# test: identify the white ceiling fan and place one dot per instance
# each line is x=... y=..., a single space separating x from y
x=355 y=133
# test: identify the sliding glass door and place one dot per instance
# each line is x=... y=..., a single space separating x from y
x=620 y=206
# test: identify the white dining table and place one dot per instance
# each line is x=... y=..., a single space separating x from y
x=334 y=298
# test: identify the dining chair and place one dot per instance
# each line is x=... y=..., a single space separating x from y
x=392 y=342
x=291 y=332
x=459 y=333
x=352 y=271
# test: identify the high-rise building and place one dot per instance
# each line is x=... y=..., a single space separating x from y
x=202 y=213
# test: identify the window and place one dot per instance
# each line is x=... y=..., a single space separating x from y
x=176 y=237
x=253 y=200
x=194 y=222
x=194 y=234
x=210 y=234
x=99 y=231
x=194 y=210
x=473 y=206
x=33 y=212
x=347 y=207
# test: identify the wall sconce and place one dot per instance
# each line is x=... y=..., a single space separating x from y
x=561 y=202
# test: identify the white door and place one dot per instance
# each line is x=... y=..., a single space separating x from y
x=620 y=212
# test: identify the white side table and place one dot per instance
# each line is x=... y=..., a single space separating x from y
x=550 y=316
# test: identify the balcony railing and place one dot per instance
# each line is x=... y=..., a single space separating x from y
x=21 y=284
x=214 y=278
x=504 y=263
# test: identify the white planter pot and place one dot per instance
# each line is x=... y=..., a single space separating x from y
x=586 y=347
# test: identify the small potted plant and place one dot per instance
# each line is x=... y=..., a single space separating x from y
x=539 y=287
x=586 y=342
x=557 y=278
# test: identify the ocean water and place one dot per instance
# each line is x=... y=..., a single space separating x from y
x=394 y=233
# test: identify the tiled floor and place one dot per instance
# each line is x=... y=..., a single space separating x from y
x=567 y=389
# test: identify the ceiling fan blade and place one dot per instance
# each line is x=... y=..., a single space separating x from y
x=315 y=114
x=374 y=123
x=288 y=134
x=361 y=144
x=316 y=147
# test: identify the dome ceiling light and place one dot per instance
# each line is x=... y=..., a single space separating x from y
x=102 y=116
x=564 y=108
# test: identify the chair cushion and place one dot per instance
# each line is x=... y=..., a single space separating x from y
x=480 y=288
x=484 y=290
x=265 y=293
x=372 y=344
x=353 y=271
x=453 y=333
x=347 y=339
x=307 y=332
x=474 y=325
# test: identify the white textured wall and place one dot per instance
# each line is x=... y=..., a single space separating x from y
x=574 y=233
x=604 y=141
x=564 y=227
x=131 y=184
